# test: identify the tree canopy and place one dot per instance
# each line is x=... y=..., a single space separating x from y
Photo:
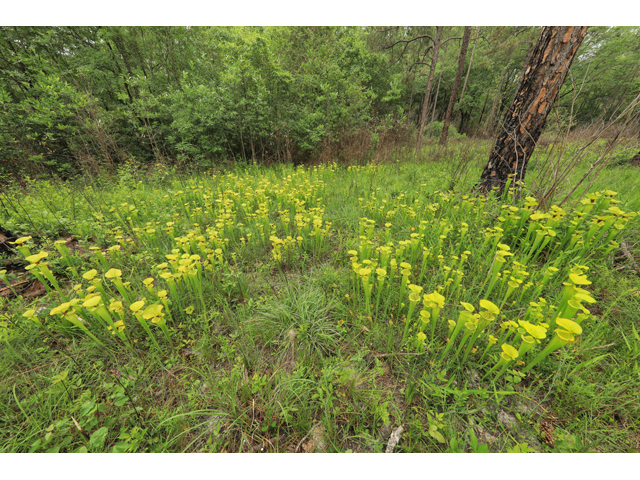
x=93 y=97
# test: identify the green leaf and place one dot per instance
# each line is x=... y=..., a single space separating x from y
x=433 y=431
x=521 y=448
x=61 y=377
x=120 y=447
x=438 y=436
x=474 y=441
x=96 y=442
x=87 y=407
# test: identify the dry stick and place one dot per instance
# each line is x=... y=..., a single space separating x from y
x=600 y=163
x=135 y=409
x=84 y=434
x=597 y=166
x=554 y=186
x=394 y=354
x=619 y=104
x=39 y=367
x=621 y=267
x=267 y=441
x=33 y=225
x=307 y=436
x=577 y=158
x=12 y=285
x=394 y=439
x=555 y=167
x=364 y=329
x=601 y=346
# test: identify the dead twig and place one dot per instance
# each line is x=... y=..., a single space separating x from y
x=364 y=329
x=394 y=439
x=84 y=434
x=601 y=346
x=394 y=354
x=41 y=366
x=306 y=436
x=10 y=287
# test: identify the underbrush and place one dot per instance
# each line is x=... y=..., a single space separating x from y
x=319 y=309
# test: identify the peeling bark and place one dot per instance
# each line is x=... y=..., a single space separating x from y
x=548 y=66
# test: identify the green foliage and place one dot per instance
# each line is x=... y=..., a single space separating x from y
x=300 y=321
x=435 y=130
x=88 y=99
x=606 y=73
x=200 y=95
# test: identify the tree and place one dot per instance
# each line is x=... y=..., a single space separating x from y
x=456 y=84
x=489 y=125
x=539 y=87
x=427 y=93
x=607 y=73
x=473 y=52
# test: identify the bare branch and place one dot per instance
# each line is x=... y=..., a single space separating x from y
x=386 y=47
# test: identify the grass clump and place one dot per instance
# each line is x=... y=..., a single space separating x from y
x=299 y=321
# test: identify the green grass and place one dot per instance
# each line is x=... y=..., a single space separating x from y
x=271 y=345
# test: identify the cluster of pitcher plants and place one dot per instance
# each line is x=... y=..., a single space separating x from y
x=417 y=285
x=460 y=278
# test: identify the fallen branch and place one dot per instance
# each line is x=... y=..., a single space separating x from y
x=601 y=346
x=10 y=287
x=394 y=439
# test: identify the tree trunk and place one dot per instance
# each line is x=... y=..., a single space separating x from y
x=462 y=119
x=489 y=125
x=538 y=90
x=427 y=93
x=456 y=85
x=435 y=100
x=413 y=86
x=466 y=79
x=484 y=107
x=473 y=51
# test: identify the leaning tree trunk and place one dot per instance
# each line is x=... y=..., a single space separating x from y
x=548 y=66
x=456 y=85
x=427 y=93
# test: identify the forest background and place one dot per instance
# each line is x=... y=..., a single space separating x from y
x=87 y=99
